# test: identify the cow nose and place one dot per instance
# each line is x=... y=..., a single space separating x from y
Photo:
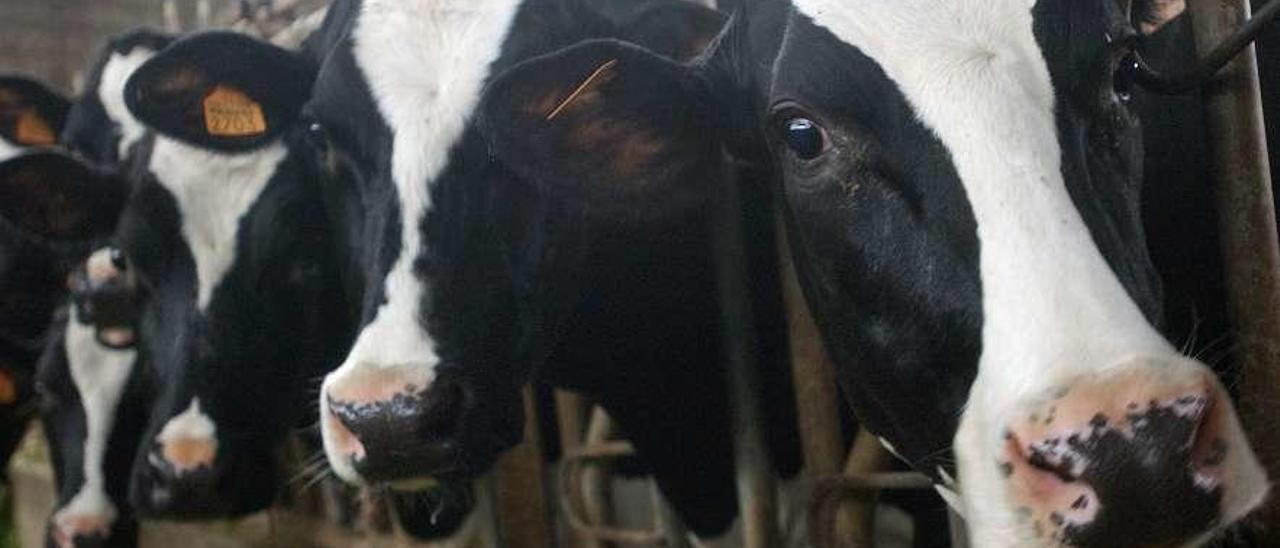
x=392 y=430
x=1124 y=461
x=80 y=530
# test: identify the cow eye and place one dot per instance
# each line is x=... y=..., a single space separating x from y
x=316 y=135
x=118 y=260
x=805 y=137
x=1125 y=76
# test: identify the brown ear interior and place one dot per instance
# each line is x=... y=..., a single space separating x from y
x=53 y=197
x=22 y=122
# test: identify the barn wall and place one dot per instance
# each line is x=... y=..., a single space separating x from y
x=54 y=40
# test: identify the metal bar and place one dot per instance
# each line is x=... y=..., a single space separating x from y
x=812 y=374
x=521 y=503
x=571 y=410
x=1247 y=224
x=855 y=524
x=752 y=461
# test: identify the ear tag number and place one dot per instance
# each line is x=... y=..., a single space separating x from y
x=229 y=112
x=33 y=130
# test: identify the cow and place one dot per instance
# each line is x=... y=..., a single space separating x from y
x=962 y=184
x=94 y=404
x=93 y=394
x=475 y=267
x=224 y=228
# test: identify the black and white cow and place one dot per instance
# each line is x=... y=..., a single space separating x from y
x=478 y=264
x=225 y=230
x=30 y=116
x=94 y=405
x=93 y=396
x=963 y=186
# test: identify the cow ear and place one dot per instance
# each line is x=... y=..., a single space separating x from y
x=30 y=113
x=678 y=29
x=220 y=90
x=629 y=134
x=49 y=196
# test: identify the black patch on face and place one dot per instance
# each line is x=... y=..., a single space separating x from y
x=1145 y=485
x=884 y=240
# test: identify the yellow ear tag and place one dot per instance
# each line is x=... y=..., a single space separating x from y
x=32 y=130
x=228 y=112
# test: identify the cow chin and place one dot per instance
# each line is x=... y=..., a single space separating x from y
x=1147 y=453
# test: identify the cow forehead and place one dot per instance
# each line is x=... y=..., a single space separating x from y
x=213 y=191
x=425 y=62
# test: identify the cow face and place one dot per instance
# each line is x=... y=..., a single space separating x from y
x=99 y=125
x=430 y=387
x=31 y=115
x=226 y=232
x=94 y=405
x=962 y=182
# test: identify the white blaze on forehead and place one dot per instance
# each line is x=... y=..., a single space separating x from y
x=115 y=73
x=426 y=62
x=1052 y=307
x=975 y=76
x=214 y=191
x=9 y=150
x=100 y=375
x=191 y=424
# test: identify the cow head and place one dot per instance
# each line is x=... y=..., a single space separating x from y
x=226 y=232
x=476 y=215
x=99 y=125
x=436 y=251
x=962 y=180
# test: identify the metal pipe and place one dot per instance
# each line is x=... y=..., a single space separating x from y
x=812 y=374
x=752 y=461
x=521 y=503
x=1247 y=223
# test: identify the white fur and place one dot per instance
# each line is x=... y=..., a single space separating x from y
x=99 y=375
x=1053 y=309
x=213 y=190
x=110 y=91
x=9 y=150
x=191 y=424
x=426 y=62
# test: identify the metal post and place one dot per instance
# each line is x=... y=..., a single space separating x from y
x=812 y=374
x=1248 y=234
x=752 y=462
x=521 y=502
